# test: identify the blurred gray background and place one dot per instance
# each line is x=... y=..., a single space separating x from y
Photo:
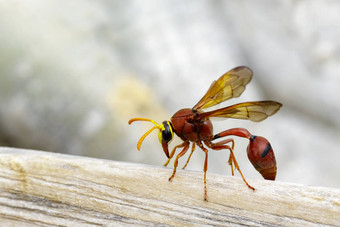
x=72 y=73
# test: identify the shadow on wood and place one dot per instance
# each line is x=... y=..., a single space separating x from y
x=42 y=188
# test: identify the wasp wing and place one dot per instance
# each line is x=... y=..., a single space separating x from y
x=254 y=111
x=229 y=85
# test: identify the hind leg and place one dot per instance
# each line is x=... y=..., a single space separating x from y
x=222 y=145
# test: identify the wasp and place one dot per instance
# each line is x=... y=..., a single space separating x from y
x=193 y=126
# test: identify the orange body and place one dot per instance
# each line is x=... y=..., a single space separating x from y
x=194 y=127
x=187 y=127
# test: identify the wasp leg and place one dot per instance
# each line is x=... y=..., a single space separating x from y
x=192 y=151
x=220 y=146
x=230 y=160
x=199 y=143
x=173 y=152
x=186 y=146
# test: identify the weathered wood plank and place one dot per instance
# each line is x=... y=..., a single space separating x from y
x=41 y=188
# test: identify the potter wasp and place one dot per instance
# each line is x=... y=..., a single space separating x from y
x=194 y=126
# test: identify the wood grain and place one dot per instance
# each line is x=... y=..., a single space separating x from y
x=42 y=188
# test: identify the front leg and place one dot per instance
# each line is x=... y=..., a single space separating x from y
x=173 y=152
x=186 y=146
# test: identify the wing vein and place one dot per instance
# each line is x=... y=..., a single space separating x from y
x=229 y=85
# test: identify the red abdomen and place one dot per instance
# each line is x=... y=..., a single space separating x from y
x=261 y=155
x=189 y=128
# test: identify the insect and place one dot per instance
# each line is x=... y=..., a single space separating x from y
x=193 y=125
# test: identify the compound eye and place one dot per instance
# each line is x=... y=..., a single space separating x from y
x=166 y=131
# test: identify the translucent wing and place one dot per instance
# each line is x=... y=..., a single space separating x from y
x=229 y=85
x=254 y=111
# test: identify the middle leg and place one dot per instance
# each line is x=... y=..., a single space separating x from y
x=199 y=143
x=192 y=151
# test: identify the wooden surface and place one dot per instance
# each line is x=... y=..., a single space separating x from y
x=41 y=188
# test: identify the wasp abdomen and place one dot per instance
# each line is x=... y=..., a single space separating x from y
x=261 y=155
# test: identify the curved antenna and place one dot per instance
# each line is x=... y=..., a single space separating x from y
x=140 y=141
x=142 y=119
